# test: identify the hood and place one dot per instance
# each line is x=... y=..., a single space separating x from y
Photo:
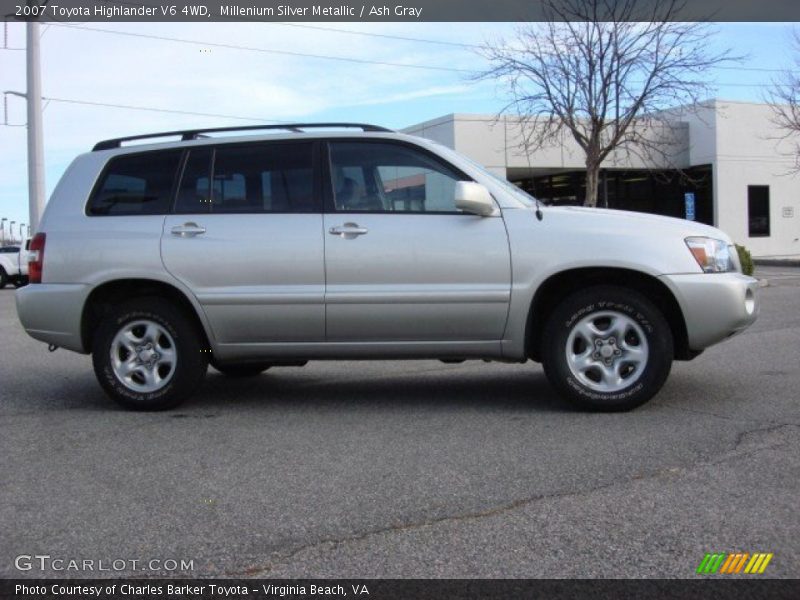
x=577 y=237
x=654 y=225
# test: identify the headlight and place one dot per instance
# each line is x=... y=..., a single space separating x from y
x=713 y=256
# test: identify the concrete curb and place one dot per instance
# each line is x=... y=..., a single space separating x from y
x=776 y=262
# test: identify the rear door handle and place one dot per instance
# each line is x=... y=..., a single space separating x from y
x=189 y=229
x=348 y=230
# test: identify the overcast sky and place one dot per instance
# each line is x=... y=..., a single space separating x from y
x=109 y=68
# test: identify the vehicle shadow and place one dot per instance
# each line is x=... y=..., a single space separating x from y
x=522 y=388
x=517 y=390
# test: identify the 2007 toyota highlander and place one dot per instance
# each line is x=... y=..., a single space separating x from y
x=348 y=241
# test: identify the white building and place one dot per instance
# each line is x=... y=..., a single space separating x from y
x=735 y=161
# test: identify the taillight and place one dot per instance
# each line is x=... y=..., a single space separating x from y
x=36 y=258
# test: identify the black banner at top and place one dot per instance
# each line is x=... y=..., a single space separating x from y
x=67 y=11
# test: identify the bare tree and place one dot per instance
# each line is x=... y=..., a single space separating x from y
x=784 y=100
x=601 y=70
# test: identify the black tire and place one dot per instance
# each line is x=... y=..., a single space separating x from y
x=20 y=281
x=243 y=369
x=638 y=379
x=3 y=278
x=191 y=358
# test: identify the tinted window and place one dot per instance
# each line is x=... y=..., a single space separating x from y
x=136 y=185
x=256 y=178
x=194 y=194
x=380 y=177
x=758 y=210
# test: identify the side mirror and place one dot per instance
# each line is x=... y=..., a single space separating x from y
x=474 y=198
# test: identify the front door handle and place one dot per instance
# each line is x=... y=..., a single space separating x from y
x=348 y=231
x=189 y=229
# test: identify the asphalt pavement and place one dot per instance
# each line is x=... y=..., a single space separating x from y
x=407 y=469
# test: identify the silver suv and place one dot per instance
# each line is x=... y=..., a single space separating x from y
x=343 y=241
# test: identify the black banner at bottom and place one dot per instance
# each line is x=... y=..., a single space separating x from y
x=390 y=589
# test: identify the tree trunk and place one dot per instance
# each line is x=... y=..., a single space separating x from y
x=592 y=183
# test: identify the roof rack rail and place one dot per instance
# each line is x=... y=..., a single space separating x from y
x=193 y=134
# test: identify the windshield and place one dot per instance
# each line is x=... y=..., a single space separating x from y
x=517 y=191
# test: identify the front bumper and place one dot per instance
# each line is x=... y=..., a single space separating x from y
x=52 y=313
x=715 y=306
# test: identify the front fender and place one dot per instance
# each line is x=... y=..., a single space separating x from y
x=564 y=242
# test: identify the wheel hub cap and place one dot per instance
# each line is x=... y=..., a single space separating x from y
x=143 y=356
x=146 y=354
x=607 y=351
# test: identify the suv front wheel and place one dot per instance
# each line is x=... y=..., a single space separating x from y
x=607 y=348
x=148 y=355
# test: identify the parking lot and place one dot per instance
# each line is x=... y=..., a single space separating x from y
x=408 y=469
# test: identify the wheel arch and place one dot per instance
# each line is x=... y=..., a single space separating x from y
x=105 y=295
x=560 y=285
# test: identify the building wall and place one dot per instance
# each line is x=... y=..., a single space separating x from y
x=439 y=130
x=499 y=144
x=751 y=150
x=701 y=124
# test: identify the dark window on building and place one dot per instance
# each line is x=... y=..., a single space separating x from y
x=140 y=184
x=657 y=192
x=256 y=178
x=758 y=210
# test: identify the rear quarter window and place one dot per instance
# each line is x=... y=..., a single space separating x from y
x=139 y=184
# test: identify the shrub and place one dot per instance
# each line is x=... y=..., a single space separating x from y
x=745 y=259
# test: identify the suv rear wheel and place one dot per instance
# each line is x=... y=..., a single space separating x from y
x=148 y=355
x=607 y=348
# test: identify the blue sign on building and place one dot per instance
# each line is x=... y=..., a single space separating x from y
x=688 y=198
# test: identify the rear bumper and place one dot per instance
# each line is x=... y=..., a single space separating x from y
x=52 y=312
x=715 y=306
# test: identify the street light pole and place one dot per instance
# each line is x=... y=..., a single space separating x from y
x=35 y=138
x=11 y=231
x=3 y=229
x=21 y=225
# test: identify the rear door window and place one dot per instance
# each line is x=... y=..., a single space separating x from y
x=139 y=184
x=252 y=178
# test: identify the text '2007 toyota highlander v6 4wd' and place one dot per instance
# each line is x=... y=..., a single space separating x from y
x=352 y=241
